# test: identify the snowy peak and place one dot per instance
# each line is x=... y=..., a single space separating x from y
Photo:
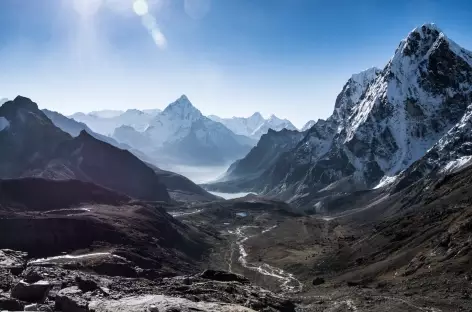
x=364 y=78
x=256 y=116
x=183 y=108
x=419 y=41
x=308 y=125
x=273 y=123
x=351 y=94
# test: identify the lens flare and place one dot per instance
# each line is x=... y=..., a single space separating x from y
x=140 y=7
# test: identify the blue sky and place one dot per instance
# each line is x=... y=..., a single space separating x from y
x=231 y=57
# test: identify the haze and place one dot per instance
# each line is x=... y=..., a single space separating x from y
x=289 y=58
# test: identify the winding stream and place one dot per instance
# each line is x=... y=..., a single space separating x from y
x=288 y=282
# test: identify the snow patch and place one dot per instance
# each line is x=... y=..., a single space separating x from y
x=4 y=123
x=386 y=180
x=457 y=164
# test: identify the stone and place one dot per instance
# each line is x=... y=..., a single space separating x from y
x=10 y=304
x=70 y=300
x=32 y=275
x=153 y=308
x=36 y=292
x=86 y=285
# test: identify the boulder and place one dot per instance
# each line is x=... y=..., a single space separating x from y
x=86 y=285
x=32 y=275
x=70 y=300
x=12 y=260
x=10 y=304
x=223 y=276
x=36 y=292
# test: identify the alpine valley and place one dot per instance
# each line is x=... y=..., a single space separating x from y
x=368 y=210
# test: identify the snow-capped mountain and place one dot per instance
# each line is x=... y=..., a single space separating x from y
x=182 y=134
x=254 y=126
x=174 y=123
x=383 y=121
x=105 y=122
x=241 y=125
x=273 y=123
x=308 y=125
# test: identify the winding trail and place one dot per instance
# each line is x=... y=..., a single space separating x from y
x=288 y=282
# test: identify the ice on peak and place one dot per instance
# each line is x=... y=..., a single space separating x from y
x=275 y=118
x=182 y=106
x=365 y=76
x=256 y=115
x=426 y=26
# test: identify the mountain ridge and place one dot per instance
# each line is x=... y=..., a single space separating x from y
x=383 y=121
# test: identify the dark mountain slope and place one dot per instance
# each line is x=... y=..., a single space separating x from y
x=33 y=146
x=40 y=194
x=88 y=159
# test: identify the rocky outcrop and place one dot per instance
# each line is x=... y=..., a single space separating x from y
x=36 y=292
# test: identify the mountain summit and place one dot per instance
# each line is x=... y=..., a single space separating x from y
x=383 y=121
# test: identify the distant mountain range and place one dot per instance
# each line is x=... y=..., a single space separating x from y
x=46 y=144
x=181 y=134
x=390 y=125
x=105 y=122
x=254 y=126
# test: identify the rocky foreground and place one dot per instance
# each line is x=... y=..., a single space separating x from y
x=96 y=282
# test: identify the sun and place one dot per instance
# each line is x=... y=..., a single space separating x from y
x=140 y=7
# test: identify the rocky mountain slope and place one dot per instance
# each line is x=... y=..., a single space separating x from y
x=383 y=121
x=34 y=146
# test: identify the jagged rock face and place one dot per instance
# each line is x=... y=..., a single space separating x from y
x=383 y=121
x=413 y=102
x=451 y=153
